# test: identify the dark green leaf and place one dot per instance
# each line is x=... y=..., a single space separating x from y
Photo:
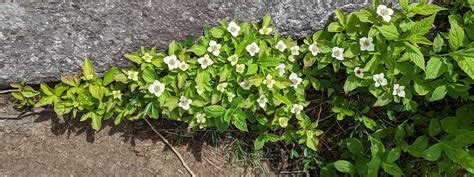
x=449 y=124
x=344 y=166
x=392 y=168
x=433 y=153
x=394 y=154
x=435 y=68
x=215 y=110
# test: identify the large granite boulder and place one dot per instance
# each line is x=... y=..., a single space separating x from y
x=41 y=41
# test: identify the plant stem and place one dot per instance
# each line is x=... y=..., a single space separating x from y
x=8 y=91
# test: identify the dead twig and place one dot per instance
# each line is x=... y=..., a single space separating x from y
x=172 y=148
x=208 y=161
x=8 y=91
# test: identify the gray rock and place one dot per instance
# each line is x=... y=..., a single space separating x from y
x=41 y=41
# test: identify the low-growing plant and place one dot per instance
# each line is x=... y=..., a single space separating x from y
x=397 y=83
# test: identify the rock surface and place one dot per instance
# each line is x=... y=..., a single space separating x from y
x=41 y=41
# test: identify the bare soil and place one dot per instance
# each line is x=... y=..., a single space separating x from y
x=44 y=145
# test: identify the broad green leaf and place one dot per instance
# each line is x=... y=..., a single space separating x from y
x=389 y=31
x=109 y=75
x=217 y=32
x=438 y=93
x=415 y=55
x=252 y=69
x=267 y=20
x=215 y=110
x=282 y=98
x=368 y=122
x=373 y=166
x=394 y=154
x=197 y=49
x=404 y=4
x=423 y=26
x=335 y=27
x=435 y=68
x=46 y=89
x=433 y=153
x=420 y=87
x=344 y=166
x=96 y=122
x=238 y=119
x=133 y=57
x=340 y=15
x=172 y=48
x=47 y=100
x=449 y=124
x=438 y=43
x=392 y=168
x=354 y=145
x=467 y=65
x=88 y=69
x=376 y=147
x=383 y=100
x=182 y=76
x=417 y=148
x=456 y=34
x=427 y=8
x=434 y=128
x=352 y=82
x=96 y=91
x=263 y=138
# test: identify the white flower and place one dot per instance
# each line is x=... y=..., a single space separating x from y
x=132 y=75
x=117 y=94
x=201 y=118
x=184 y=102
x=205 y=61
x=156 y=88
x=214 y=48
x=172 y=62
x=283 y=121
x=233 y=29
x=314 y=49
x=281 y=69
x=296 y=108
x=359 y=72
x=379 y=80
x=398 y=90
x=269 y=81
x=252 y=49
x=245 y=85
x=338 y=53
x=262 y=101
x=280 y=46
x=385 y=12
x=265 y=30
x=183 y=66
x=295 y=50
x=233 y=59
x=240 y=68
x=147 y=57
x=295 y=80
x=221 y=87
x=366 y=43
x=199 y=88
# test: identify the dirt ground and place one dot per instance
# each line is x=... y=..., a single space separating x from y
x=45 y=145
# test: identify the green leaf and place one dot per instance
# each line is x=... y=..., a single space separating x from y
x=172 y=48
x=394 y=154
x=438 y=93
x=47 y=100
x=46 y=89
x=217 y=32
x=96 y=122
x=392 y=168
x=433 y=153
x=133 y=57
x=434 y=128
x=456 y=34
x=467 y=65
x=109 y=75
x=427 y=9
x=449 y=124
x=335 y=27
x=418 y=146
x=352 y=82
x=282 y=98
x=376 y=147
x=340 y=15
x=96 y=91
x=435 y=68
x=373 y=167
x=415 y=55
x=197 y=49
x=263 y=138
x=420 y=87
x=88 y=69
x=239 y=121
x=267 y=20
x=149 y=75
x=215 y=110
x=438 y=43
x=354 y=145
x=390 y=31
x=423 y=26
x=252 y=69
x=344 y=166
x=404 y=4
x=383 y=100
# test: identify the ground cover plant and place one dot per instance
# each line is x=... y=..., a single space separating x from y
x=396 y=83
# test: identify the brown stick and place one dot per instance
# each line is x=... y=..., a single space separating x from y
x=172 y=148
x=8 y=91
